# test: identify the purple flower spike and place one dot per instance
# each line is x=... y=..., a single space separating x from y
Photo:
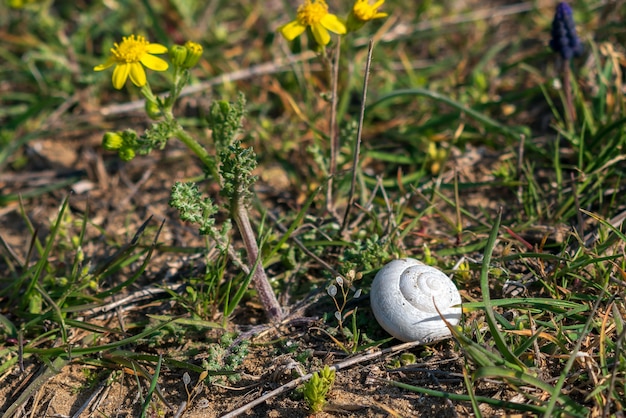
x=564 y=38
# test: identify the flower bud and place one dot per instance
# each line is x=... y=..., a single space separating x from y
x=194 y=52
x=224 y=107
x=362 y=12
x=152 y=110
x=178 y=54
x=112 y=141
x=127 y=154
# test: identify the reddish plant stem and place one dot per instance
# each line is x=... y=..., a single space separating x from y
x=567 y=85
x=259 y=278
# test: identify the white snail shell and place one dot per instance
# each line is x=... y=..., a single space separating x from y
x=404 y=295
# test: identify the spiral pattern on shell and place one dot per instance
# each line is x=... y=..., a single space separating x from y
x=405 y=297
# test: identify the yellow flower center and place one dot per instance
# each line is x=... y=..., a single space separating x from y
x=131 y=49
x=312 y=12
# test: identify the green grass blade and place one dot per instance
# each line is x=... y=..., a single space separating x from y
x=152 y=388
x=471 y=394
x=466 y=398
x=498 y=338
x=99 y=348
x=42 y=263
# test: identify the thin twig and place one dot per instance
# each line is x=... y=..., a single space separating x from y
x=332 y=131
x=339 y=366
x=90 y=399
x=181 y=409
x=357 y=145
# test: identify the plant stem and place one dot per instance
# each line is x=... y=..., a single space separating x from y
x=259 y=278
x=199 y=150
x=569 y=103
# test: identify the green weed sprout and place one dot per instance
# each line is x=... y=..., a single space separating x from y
x=231 y=168
x=316 y=389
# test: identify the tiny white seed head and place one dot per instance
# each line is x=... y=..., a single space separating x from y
x=332 y=290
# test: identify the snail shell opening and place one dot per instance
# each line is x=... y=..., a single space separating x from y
x=405 y=297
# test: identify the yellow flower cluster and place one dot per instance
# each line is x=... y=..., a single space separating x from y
x=135 y=52
x=314 y=15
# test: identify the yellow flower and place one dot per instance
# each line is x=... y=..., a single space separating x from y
x=362 y=12
x=314 y=14
x=128 y=57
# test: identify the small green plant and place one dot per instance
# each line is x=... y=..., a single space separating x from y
x=316 y=389
x=342 y=290
x=225 y=357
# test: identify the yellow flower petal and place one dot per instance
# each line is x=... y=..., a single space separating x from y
x=104 y=66
x=292 y=30
x=137 y=74
x=333 y=24
x=120 y=75
x=154 y=63
x=321 y=35
x=156 y=49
